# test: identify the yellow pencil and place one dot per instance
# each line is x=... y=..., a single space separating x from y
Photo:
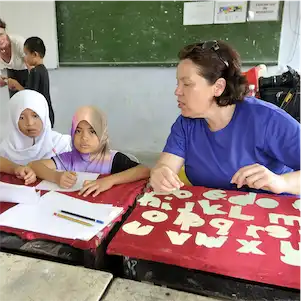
x=72 y=219
x=287 y=98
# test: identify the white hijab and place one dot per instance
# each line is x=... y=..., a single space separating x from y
x=19 y=148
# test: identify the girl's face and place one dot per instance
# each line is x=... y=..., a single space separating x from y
x=85 y=138
x=30 y=124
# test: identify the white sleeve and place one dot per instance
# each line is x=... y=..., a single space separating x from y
x=61 y=143
x=20 y=45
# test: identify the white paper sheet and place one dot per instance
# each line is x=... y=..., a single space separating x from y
x=32 y=218
x=81 y=178
x=230 y=12
x=41 y=219
x=201 y=12
x=18 y=194
x=263 y=11
x=54 y=201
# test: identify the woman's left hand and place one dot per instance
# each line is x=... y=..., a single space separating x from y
x=259 y=177
x=98 y=186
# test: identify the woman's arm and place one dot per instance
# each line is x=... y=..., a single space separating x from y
x=172 y=161
x=291 y=182
x=164 y=176
x=282 y=143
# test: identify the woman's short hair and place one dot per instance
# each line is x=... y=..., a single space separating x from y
x=217 y=59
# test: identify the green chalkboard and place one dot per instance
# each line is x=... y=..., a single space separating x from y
x=150 y=33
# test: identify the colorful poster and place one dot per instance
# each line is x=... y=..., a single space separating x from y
x=230 y=12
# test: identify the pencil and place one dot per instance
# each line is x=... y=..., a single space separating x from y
x=82 y=216
x=72 y=219
x=59 y=159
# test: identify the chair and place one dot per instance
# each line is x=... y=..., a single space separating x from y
x=183 y=177
x=132 y=157
x=254 y=74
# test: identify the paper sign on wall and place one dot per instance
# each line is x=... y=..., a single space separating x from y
x=263 y=11
x=201 y=12
x=230 y=12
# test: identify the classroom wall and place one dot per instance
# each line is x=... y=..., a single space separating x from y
x=139 y=101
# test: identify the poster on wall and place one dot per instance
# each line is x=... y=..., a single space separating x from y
x=201 y=12
x=263 y=11
x=230 y=12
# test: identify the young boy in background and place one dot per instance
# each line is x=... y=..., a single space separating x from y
x=38 y=78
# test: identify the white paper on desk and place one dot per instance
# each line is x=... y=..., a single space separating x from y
x=81 y=178
x=34 y=218
x=18 y=194
x=39 y=218
x=230 y=12
x=55 y=201
x=201 y=12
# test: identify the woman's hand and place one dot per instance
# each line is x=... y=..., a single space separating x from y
x=163 y=179
x=3 y=81
x=259 y=177
x=97 y=186
x=25 y=173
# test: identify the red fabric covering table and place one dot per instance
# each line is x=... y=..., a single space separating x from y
x=254 y=237
x=121 y=195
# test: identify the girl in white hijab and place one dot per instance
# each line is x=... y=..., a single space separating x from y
x=29 y=133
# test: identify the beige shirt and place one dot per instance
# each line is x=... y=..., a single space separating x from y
x=17 y=57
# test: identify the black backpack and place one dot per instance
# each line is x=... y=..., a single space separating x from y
x=283 y=91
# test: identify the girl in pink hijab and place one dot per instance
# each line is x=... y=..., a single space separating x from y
x=90 y=153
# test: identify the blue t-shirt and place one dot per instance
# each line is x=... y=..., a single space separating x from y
x=258 y=132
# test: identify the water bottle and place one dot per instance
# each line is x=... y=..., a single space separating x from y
x=252 y=91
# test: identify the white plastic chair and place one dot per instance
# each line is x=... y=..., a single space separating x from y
x=132 y=157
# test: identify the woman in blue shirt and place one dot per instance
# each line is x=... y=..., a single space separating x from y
x=225 y=139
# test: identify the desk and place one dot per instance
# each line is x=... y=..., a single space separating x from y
x=221 y=243
x=87 y=253
x=128 y=290
x=25 y=278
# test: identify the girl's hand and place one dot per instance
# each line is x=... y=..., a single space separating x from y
x=97 y=186
x=66 y=179
x=25 y=173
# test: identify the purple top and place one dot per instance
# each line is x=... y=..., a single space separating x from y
x=74 y=161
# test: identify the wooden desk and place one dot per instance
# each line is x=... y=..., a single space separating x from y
x=29 y=279
x=87 y=253
x=222 y=243
x=128 y=290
